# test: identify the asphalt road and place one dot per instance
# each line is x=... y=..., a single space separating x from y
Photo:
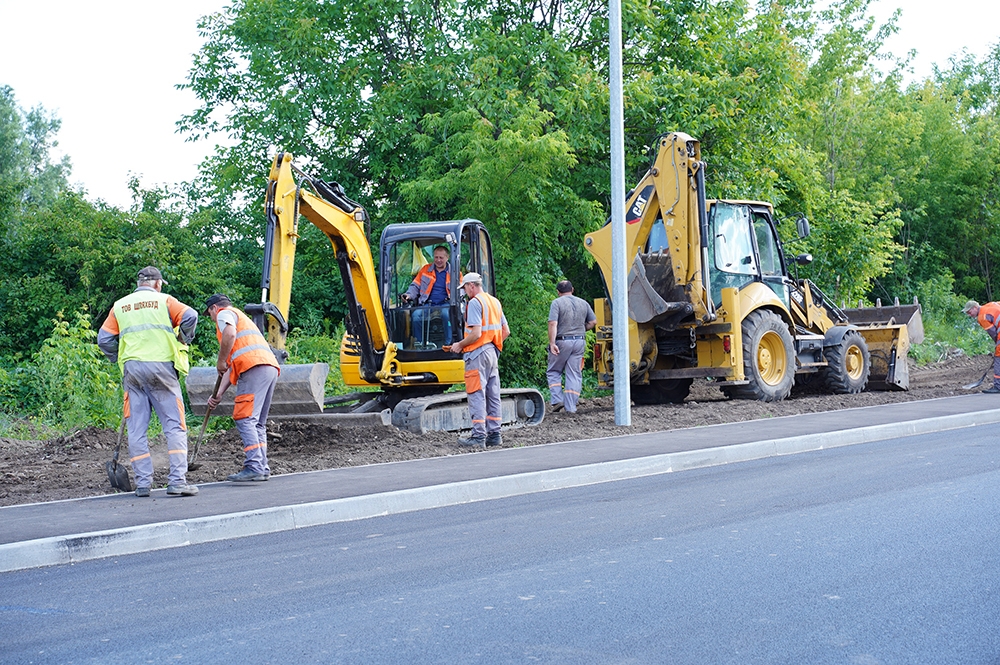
x=875 y=553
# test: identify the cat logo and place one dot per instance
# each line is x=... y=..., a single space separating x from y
x=635 y=212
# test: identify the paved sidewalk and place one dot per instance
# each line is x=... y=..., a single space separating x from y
x=81 y=529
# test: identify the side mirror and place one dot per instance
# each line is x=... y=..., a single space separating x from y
x=804 y=259
x=802 y=224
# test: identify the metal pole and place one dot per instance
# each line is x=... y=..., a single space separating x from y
x=619 y=258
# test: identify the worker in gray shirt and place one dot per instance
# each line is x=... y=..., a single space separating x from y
x=569 y=319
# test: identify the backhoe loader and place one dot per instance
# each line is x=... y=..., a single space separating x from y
x=710 y=297
x=392 y=345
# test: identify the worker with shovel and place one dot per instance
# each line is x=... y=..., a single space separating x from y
x=139 y=334
x=988 y=316
x=246 y=361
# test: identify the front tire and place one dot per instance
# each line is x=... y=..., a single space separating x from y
x=768 y=358
x=849 y=365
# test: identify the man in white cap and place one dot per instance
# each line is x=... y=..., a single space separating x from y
x=485 y=331
x=139 y=334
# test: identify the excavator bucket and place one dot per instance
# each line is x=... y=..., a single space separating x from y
x=889 y=333
x=300 y=389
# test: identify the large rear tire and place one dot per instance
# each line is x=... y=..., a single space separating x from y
x=669 y=391
x=849 y=365
x=768 y=359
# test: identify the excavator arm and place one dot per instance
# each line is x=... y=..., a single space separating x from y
x=342 y=221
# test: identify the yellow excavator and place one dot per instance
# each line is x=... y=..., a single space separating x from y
x=393 y=346
x=710 y=297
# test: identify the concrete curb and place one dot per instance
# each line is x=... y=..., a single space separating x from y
x=100 y=544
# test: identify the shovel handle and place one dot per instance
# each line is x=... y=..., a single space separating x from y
x=204 y=423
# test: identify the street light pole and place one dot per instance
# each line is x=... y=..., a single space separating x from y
x=619 y=258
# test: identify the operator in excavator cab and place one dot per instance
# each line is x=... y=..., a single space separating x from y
x=431 y=286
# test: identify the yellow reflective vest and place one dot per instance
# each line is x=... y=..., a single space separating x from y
x=145 y=332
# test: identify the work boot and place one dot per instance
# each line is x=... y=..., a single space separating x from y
x=556 y=408
x=247 y=475
x=142 y=491
x=180 y=490
x=493 y=439
x=992 y=391
x=479 y=441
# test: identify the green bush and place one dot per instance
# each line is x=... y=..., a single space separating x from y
x=946 y=326
x=75 y=384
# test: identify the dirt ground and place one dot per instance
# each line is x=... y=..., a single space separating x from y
x=74 y=466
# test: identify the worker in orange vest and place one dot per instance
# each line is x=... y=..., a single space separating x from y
x=988 y=316
x=246 y=361
x=485 y=331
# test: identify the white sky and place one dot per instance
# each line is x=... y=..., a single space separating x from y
x=108 y=69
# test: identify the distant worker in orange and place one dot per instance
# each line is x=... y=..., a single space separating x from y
x=431 y=286
x=988 y=316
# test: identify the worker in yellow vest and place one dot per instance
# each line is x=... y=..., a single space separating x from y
x=485 y=331
x=147 y=333
x=245 y=360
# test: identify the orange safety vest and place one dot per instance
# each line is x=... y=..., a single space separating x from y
x=492 y=328
x=989 y=319
x=250 y=348
x=425 y=279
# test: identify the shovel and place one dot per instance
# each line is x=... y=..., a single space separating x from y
x=981 y=379
x=118 y=474
x=192 y=465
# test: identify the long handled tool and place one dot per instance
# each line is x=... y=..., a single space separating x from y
x=192 y=464
x=981 y=379
x=117 y=473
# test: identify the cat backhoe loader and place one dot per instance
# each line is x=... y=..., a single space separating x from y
x=392 y=346
x=710 y=297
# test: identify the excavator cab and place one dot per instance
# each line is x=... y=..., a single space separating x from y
x=421 y=320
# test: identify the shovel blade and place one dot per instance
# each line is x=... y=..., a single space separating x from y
x=118 y=476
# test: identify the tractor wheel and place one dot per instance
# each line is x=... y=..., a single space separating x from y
x=768 y=359
x=669 y=391
x=849 y=365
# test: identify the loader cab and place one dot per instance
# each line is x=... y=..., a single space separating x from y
x=433 y=316
x=744 y=247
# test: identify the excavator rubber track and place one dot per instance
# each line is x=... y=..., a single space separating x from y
x=519 y=407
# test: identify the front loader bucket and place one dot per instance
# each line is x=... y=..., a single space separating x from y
x=889 y=333
x=300 y=390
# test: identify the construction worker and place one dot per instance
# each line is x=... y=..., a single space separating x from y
x=139 y=334
x=988 y=316
x=569 y=320
x=431 y=286
x=485 y=331
x=246 y=361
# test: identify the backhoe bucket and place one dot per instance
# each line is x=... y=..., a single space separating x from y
x=300 y=390
x=889 y=333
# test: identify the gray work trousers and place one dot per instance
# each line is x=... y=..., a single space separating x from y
x=254 y=390
x=568 y=362
x=482 y=388
x=153 y=386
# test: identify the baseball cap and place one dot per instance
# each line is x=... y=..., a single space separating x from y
x=149 y=273
x=217 y=299
x=472 y=278
x=969 y=306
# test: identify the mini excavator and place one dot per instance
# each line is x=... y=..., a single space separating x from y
x=393 y=348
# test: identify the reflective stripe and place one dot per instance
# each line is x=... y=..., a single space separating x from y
x=177 y=452
x=145 y=326
x=135 y=459
x=247 y=349
x=492 y=418
x=248 y=333
x=259 y=445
